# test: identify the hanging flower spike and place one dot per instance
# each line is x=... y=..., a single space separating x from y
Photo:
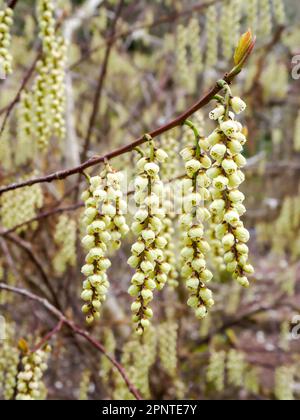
x=96 y=243
x=148 y=251
x=6 y=21
x=226 y=146
x=195 y=190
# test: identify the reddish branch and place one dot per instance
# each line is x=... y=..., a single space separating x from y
x=248 y=313
x=48 y=336
x=26 y=247
x=9 y=108
x=12 y=3
x=41 y=216
x=76 y=330
x=60 y=175
x=165 y=19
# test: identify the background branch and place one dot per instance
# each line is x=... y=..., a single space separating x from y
x=60 y=175
x=76 y=330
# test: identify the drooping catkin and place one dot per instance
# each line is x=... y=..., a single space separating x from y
x=169 y=170
x=236 y=367
x=297 y=134
x=148 y=257
x=121 y=391
x=48 y=92
x=139 y=354
x=41 y=107
x=9 y=359
x=284 y=337
x=275 y=80
x=65 y=239
x=195 y=247
x=227 y=15
x=54 y=50
x=216 y=370
x=284 y=381
x=226 y=147
x=193 y=33
x=279 y=11
x=84 y=385
x=6 y=21
x=25 y=147
x=96 y=243
x=167 y=333
x=144 y=358
x=57 y=92
x=30 y=378
x=5 y=151
x=265 y=18
x=169 y=251
x=236 y=6
x=233 y=300
x=216 y=253
x=106 y=368
x=18 y=207
x=116 y=207
x=10 y=280
x=252 y=14
x=211 y=37
x=182 y=57
x=252 y=380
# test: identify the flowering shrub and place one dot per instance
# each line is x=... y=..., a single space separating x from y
x=146 y=235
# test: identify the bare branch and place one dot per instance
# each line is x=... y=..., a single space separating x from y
x=163 y=20
x=60 y=175
x=76 y=330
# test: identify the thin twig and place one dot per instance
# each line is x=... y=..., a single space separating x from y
x=12 y=3
x=77 y=330
x=39 y=265
x=48 y=336
x=60 y=175
x=9 y=108
x=163 y=20
x=41 y=216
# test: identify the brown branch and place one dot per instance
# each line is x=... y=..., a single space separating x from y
x=257 y=309
x=60 y=210
x=9 y=108
x=165 y=19
x=76 y=330
x=12 y=3
x=48 y=336
x=39 y=265
x=60 y=175
x=41 y=216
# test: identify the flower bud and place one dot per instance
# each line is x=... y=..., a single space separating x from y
x=228 y=241
x=220 y=183
x=229 y=166
x=229 y=128
x=218 y=151
x=238 y=105
x=216 y=113
x=152 y=169
x=232 y=218
x=242 y=234
x=192 y=283
x=161 y=155
x=201 y=312
x=192 y=166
